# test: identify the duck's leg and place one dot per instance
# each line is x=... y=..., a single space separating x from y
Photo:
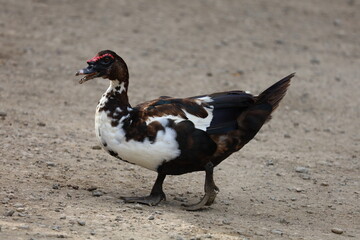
x=211 y=190
x=156 y=196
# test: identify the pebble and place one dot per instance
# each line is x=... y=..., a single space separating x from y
x=305 y=176
x=55 y=228
x=97 y=147
x=41 y=124
x=151 y=217
x=9 y=213
x=302 y=169
x=50 y=164
x=276 y=231
x=81 y=223
x=18 y=205
x=324 y=184
x=226 y=222
x=3 y=114
x=92 y=233
x=91 y=188
x=337 y=230
x=97 y=193
x=22 y=214
x=20 y=209
x=56 y=186
x=287 y=136
x=270 y=163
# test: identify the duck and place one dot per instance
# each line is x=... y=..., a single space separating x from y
x=175 y=136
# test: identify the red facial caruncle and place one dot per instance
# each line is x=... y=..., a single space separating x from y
x=97 y=58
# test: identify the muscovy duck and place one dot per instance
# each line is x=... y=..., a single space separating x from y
x=174 y=136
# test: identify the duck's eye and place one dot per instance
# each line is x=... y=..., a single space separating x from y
x=106 y=60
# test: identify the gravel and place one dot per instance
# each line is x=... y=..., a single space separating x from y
x=276 y=231
x=81 y=223
x=337 y=230
x=50 y=164
x=97 y=193
x=9 y=213
x=302 y=170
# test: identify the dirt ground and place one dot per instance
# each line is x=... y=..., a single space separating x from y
x=298 y=179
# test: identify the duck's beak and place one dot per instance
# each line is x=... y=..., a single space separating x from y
x=89 y=73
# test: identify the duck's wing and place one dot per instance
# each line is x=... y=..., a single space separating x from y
x=227 y=107
x=176 y=109
x=214 y=113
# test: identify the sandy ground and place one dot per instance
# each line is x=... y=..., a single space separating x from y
x=298 y=179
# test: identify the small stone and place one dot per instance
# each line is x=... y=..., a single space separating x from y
x=305 y=176
x=22 y=214
x=9 y=213
x=50 y=164
x=92 y=233
x=119 y=218
x=299 y=189
x=151 y=217
x=97 y=193
x=302 y=170
x=41 y=124
x=209 y=74
x=20 y=209
x=324 y=184
x=18 y=205
x=276 y=231
x=55 y=228
x=96 y=147
x=63 y=217
x=287 y=136
x=226 y=222
x=81 y=223
x=270 y=163
x=56 y=186
x=337 y=230
x=3 y=114
x=91 y=188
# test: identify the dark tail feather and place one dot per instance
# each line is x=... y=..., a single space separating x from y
x=275 y=93
x=254 y=118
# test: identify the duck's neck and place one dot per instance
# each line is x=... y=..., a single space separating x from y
x=115 y=98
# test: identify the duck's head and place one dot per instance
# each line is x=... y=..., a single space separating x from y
x=106 y=64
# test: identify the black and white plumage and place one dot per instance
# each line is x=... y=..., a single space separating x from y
x=174 y=136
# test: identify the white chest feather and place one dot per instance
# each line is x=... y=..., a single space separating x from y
x=148 y=154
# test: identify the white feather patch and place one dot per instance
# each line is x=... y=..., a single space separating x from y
x=147 y=154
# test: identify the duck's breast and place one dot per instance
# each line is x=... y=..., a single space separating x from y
x=146 y=153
